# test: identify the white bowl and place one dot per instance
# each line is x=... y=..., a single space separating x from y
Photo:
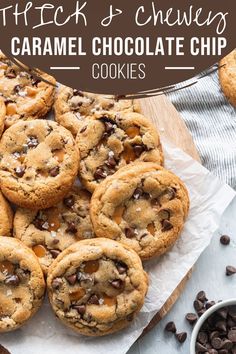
x=203 y=318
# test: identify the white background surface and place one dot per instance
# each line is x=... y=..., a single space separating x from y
x=208 y=275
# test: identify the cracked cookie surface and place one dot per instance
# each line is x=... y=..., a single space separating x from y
x=227 y=74
x=97 y=286
x=38 y=163
x=6 y=220
x=143 y=206
x=72 y=106
x=110 y=141
x=26 y=98
x=50 y=231
x=22 y=284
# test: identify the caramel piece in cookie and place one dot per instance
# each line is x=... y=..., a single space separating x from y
x=50 y=231
x=32 y=173
x=26 y=98
x=72 y=106
x=143 y=206
x=110 y=141
x=97 y=286
x=2 y=114
x=227 y=74
x=6 y=219
x=22 y=284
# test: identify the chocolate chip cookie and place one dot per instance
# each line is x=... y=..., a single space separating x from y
x=2 y=115
x=6 y=219
x=50 y=231
x=227 y=73
x=143 y=206
x=97 y=286
x=110 y=141
x=71 y=106
x=38 y=163
x=25 y=96
x=22 y=284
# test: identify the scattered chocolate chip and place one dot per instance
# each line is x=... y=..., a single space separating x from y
x=78 y=93
x=121 y=267
x=191 y=318
x=55 y=241
x=56 y=283
x=201 y=312
x=129 y=232
x=198 y=305
x=117 y=284
x=164 y=214
x=41 y=224
x=166 y=226
x=11 y=74
x=81 y=309
x=3 y=350
x=181 y=337
x=171 y=192
x=20 y=171
x=12 y=280
x=35 y=82
x=54 y=171
x=17 y=88
x=230 y=270
x=69 y=201
x=83 y=129
x=100 y=174
x=54 y=253
x=71 y=279
x=93 y=300
x=72 y=229
x=225 y=240
x=170 y=327
x=111 y=162
x=138 y=150
x=201 y=296
x=138 y=193
x=32 y=142
x=210 y=304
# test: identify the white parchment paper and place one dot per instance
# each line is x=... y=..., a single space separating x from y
x=209 y=198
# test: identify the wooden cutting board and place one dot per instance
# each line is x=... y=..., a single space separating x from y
x=171 y=127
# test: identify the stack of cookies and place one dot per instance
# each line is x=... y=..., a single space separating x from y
x=87 y=237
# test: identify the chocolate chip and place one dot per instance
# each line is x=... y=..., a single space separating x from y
x=32 y=142
x=191 y=318
x=69 y=201
x=78 y=93
x=35 y=82
x=181 y=337
x=201 y=312
x=223 y=313
x=202 y=337
x=100 y=174
x=72 y=229
x=17 y=88
x=20 y=171
x=130 y=317
x=71 y=279
x=117 y=284
x=94 y=300
x=232 y=335
x=111 y=162
x=210 y=304
x=138 y=193
x=129 y=232
x=12 y=280
x=171 y=192
x=198 y=305
x=166 y=226
x=216 y=343
x=200 y=348
x=223 y=351
x=3 y=350
x=170 y=327
x=225 y=240
x=56 y=283
x=41 y=224
x=201 y=296
x=212 y=351
x=54 y=171
x=11 y=74
x=55 y=241
x=214 y=334
x=121 y=267
x=138 y=150
x=230 y=270
x=81 y=309
x=54 y=253
x=227 y=344
x=83 y=129
x=164 y=214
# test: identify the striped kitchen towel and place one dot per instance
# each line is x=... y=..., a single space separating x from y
x=212 y=123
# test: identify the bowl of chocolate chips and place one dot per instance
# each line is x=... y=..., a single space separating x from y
x=215 y=331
